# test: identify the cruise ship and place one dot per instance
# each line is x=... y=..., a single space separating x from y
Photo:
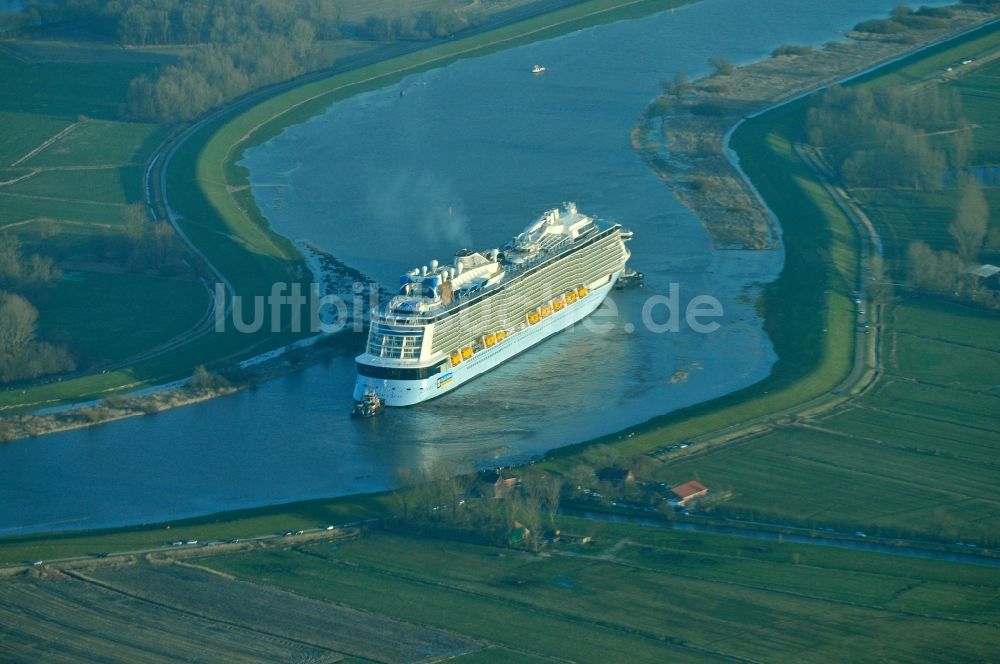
x=451 y=323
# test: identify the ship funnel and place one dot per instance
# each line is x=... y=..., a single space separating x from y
x=494 y=253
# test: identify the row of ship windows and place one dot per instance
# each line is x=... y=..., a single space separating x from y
x=502 y=314
x=394 y=346
x=496 y=314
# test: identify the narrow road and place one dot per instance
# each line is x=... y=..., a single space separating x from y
x=810 y=536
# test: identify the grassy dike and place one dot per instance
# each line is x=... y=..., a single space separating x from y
x=808 y=312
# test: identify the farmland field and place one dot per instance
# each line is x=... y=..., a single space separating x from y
x=647 y=594
x=26 y=131
x=96 y=142
x=164 y=612
x=917 y=455
x=113 y=329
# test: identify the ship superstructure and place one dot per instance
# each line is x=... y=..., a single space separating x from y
x=450 y=323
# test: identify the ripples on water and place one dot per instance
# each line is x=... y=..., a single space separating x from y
x=467 y=156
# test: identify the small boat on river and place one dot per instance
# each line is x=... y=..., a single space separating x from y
x=369 y=406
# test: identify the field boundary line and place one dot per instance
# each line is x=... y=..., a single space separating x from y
x=551 y=612
x=46 y=143
x=782 y=591
x=79 y=576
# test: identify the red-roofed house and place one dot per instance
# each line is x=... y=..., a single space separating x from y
x=689 y=491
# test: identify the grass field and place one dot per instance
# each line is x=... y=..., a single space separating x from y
x=63 y=619
x=101 y=143
x=26 y=131
x=114 y=186
x=642 y=594
x=165 y=612
x=150 y=312
x=68 y=89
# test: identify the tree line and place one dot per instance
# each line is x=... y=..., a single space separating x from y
x=899 y=137
x=945 y=272
x=242 y=45
x=903 y=18
x=162 y=22
x=883 y=138
x=444 y=499
x=141 y=246
x=22 y=355
x=422 y=26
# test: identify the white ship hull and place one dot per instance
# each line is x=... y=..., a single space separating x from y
x=409 y=392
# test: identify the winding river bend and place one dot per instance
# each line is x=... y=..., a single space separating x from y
x=462 y=155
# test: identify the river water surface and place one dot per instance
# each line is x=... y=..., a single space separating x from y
x=465 y=155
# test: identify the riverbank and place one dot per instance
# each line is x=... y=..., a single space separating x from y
x=683 y=134
x=152 y=400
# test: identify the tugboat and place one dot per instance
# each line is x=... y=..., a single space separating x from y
x=537 y=69
x=630 y=279
x=369 y=406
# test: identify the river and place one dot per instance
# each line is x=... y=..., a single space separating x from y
x=466 y=155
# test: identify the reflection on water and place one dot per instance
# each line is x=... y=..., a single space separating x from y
x=468 y=156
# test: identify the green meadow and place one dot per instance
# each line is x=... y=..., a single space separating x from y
x=645 y=594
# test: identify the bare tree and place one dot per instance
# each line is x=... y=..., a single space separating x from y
x=721 y=66
x=18 y=324
x=553 y=493
x=678 y=87
x=403 y=495
x=581 y=476
x=969 y=227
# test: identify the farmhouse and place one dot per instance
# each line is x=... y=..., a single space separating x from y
x=687 y=492
x=494 y=485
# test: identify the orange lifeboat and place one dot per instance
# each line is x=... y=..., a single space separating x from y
x=532 y=317
x=489 y=340
x=571 y=297
x=582 y=291
x=467 y=352
x=456 y=359
x=557 y=305
x=501 y=335
x=546 y=311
